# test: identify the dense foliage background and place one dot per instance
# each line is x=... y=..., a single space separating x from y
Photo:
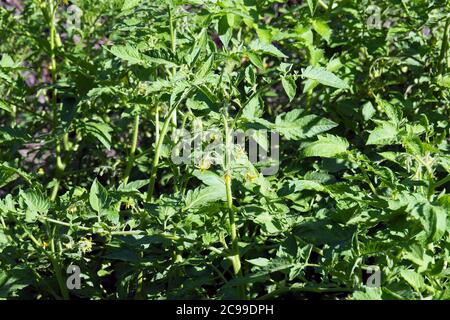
x=93 y=94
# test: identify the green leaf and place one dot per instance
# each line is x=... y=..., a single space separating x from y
x=368 y=111
x=127 y=53
x=205 y=68
x=382 y=135
x=433 y=220
x=393 y=112
x=250 y=75
x=443 y=81
x=98 y=196
x=36 y=201
x=260 y=136
x=148 y=60
x=3 y=239
x=200 y=197
x=210 y=178
x=322 y=28
x=324 y=77
x=252 y=109
x=112 y=215
x=133 y=56
x=268 y=48
x=294 y=128
x=102 y=91
x=414 y=279
x=312 y=6
x=327 y=146
x=9 y=174
x=256 y=60
x=133 y=186
x=333 y=65
x=290 y=87
x=300 y=185
x=14 y=134
x=416 y=254
x=14 y=280
x=4 y=76
x=5 y=106
x=101 y=131
x=260 y=262
x=266 y=220
x=8 y=62
x=130 y=4
x=225 y=31
x=369 y=294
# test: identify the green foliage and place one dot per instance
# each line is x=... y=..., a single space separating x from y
x=93 y=103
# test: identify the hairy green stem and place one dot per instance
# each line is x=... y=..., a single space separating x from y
x=235 y=257
x=157 y=125
x=323 y=4
x=162 y=135
x=53 y=259
x=57 y=267
x=140 y=283
x=444 y=48
x=441 y=182
x=55 y=108
x=130 y=161
x=13 y=116
x=234 y=239
x=177 y=169
x=369 y=182
x=173 y=45
x=173 y=35
x=155 y=163
x=2 y=221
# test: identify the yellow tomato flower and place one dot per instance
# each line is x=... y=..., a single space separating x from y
x=250 y=176
x=205 y=164
x=86 y=244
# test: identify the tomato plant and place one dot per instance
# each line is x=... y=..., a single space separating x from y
x=225 y=149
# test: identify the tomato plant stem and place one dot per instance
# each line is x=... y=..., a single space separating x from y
x=57 y=267
x=53 y=259
x=130 y=161
x=155 y=162
x=159 y=143
x=55 y=108
x=236 y=260
x=157 y=125
x=173 y=46
x=441 y=182
x=444 y=48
